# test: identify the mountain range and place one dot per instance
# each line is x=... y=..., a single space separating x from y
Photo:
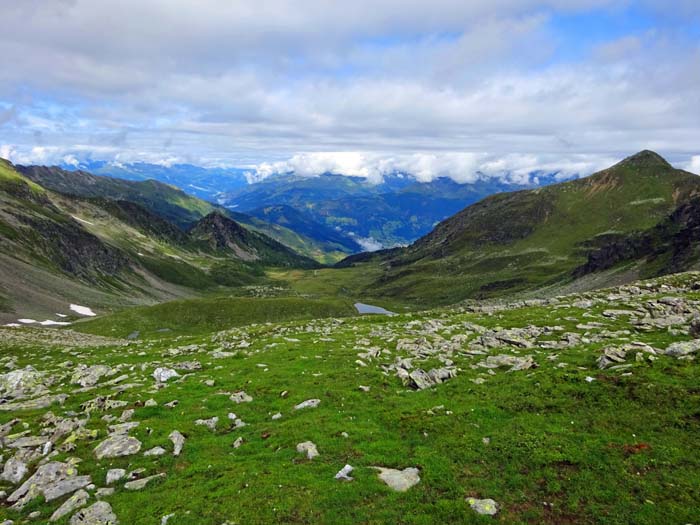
x=364 y=214
x=634 y=219
x=77 y=237
x=70 y=234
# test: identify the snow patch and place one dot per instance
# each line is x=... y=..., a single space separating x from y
x=82 y=220
x=82 y=310
x=26 y=321
x=49 y=322
x=13 y=325
x=61 y=315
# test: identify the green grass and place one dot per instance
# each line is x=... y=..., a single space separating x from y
x=197 y=316
x=618 y=450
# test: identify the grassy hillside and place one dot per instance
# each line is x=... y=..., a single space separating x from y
x=169 y=202
x=515 y=242
x=560 y=442
x=59 y=249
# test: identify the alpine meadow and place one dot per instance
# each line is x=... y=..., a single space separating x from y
x=380 y=262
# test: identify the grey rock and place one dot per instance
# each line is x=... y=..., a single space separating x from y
x=139 y=484
x=344 y=473
x=515 y=363
x=309 y=403
x=209 y=423
x=34 y=404
x=399 y=480
x=155 y=451
x=178 y=442
x=162 y=375
x=77 y=500
x=611 y=356
x=683 y=348
x=21 y=382
x=308 y=448
x=114 y=475
x=87 y=376
x=117 y=445
x=240 y=397
x=486 y=507
x=27 y=442
x=123 y=428
x=52 y=480
x=14 y=471
x=98 y=514
x=103 y=492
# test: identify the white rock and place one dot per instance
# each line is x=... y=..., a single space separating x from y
x=162 y=375
x=309 y=403
x=343 y=473
x=399 y=480
x=241 y=397
x=115 y=474
x=155 y=451
x=483 y=506
x=308 y=448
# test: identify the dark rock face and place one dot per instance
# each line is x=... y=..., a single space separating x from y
x=220 y=232
x=73 y=249
x=672 y=244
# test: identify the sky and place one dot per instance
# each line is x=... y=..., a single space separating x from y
x=432 y=88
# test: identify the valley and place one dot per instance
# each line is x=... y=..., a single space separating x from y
x=514 y=364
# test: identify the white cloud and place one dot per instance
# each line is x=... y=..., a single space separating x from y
x=425 y=167
x=694 y=165
x=391 y=84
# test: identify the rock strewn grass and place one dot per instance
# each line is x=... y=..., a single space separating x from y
x=526 y=424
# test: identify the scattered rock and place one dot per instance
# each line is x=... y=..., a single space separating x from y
x=683 y=348
x=162 y=375
x=52 y=480
x=117 y=445
x=308 y=448
x=155 y=451
x=178 y=442
x=240 y=397
x=309 y=403
x=14 y=471
x=399 y=480
x=98 y=514
x=486 y=507
x=139 y=484
x=344 y=473
x=514 y=362
x=114 y=475
x=209 y=423
x=611 y=356
x=77 y=500
x=87 y=376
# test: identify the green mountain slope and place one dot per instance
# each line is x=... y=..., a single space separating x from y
x=218 y=233
x=530 y=239
x=176 y=206
x=57 y=249
x=169 y=202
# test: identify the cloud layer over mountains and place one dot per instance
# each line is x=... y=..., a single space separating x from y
x=445 y=87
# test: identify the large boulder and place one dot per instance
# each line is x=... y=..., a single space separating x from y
x=117 y=445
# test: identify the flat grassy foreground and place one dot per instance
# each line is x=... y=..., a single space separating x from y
x=563 y=442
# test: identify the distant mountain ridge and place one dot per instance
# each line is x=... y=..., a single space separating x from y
x=58 y=248
x=541 y=238
x=395 y=212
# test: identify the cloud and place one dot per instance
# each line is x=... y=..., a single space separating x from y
x=694 y=165
x=364 y=87
x=425 y=167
